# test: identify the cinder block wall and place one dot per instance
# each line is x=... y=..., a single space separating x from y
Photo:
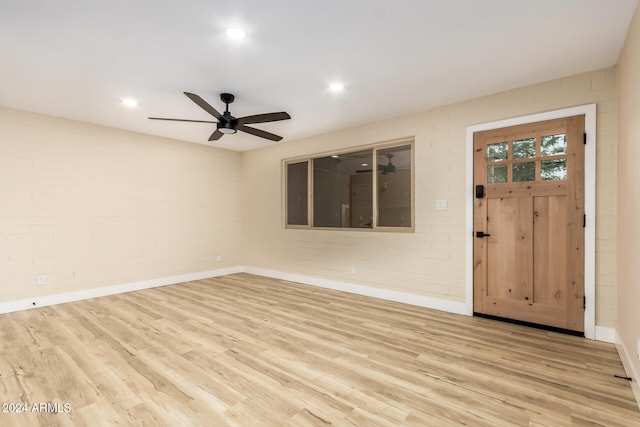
x=628 y=325
x=431 y=261
x=90 y=206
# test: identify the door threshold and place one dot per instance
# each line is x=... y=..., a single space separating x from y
x=530 y=324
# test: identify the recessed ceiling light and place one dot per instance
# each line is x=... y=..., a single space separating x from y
x=335 y=156
x=365 y=164
x=236 y=33
x=130 y=103
x=336 y=87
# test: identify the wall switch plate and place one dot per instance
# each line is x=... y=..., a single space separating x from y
x=354 y=270
x=442 y=205
x=218 y=258
x=41 y=280
x=638 y=349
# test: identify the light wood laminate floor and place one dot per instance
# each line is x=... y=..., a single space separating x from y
x=250 y=351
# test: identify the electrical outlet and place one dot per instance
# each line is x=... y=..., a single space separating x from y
x=638 y=348
x=41 y=280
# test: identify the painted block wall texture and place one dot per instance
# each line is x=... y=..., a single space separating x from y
x=432 y=260
x=628 y=325
x=91 y=206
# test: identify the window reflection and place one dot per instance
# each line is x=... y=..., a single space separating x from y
x=394 y=186
x=297 y=193
x=369 y=188
x=342 y=190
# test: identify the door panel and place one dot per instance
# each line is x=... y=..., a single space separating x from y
x=509 y=248
x=529 y=266
x=550 y=266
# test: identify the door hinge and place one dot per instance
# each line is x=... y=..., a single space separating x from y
x=584 y=138
x=584 y=303
x=584 y=221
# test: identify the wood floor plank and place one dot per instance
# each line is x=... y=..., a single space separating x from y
x=245 y=350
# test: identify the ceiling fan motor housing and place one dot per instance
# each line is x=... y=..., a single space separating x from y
x=227 y=123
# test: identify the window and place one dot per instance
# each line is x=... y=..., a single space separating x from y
x=297 y=193
x=341 y=190
x=394 y=187
x=526 y=160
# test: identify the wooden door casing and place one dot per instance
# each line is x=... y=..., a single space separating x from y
x=531 y=266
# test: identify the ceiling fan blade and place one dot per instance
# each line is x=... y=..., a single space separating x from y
x=216 y=135
x=204 y=105
x=263 y=118
x=181 y=120
x=259 y=132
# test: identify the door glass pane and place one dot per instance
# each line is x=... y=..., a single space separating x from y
x=496 y=174
x=343 y=190
x=524 y=172
x=554 y=144
x=497 y=152
x=524 y=148
x=297 y=193
x=394 y=186
x=554 y=169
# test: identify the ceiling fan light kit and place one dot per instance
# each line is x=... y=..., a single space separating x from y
x=227 y=123
x=227 y=127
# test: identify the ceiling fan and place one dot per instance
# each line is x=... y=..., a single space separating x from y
x=389 y=168
x=229 y=124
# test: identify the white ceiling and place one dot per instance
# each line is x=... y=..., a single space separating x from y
x=78 y=58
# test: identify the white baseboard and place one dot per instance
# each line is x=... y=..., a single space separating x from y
x=385 y=294
x=403 y=297
x=605 y=334
x=25 y=304
x=601 y=333
x=629 y=367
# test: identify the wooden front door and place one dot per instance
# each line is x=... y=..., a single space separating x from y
x=529 y=223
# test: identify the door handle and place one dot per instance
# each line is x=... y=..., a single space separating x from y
x=482 y=234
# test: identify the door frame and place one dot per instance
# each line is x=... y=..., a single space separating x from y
x=589 y=112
